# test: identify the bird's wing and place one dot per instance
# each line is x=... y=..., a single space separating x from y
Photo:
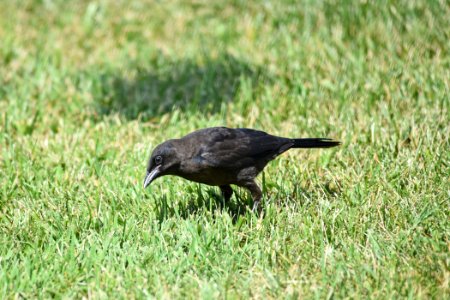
x=238 y=148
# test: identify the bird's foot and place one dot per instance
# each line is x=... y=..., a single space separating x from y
x=256 y=207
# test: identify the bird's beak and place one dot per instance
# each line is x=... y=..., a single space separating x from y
x=151 y=176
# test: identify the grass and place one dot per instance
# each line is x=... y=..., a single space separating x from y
x=87 y=89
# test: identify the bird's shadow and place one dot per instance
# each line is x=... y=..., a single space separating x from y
x=165 y=84
x=198 y=202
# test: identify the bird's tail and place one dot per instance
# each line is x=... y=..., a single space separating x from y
x=315 y=143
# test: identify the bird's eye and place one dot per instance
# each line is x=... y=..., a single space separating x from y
x=158 y=160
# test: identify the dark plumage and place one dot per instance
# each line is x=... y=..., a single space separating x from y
x=222 y=156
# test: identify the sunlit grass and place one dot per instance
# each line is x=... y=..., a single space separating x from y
x=88 y=89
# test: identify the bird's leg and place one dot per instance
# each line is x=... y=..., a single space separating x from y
x=256 y=193
x=227 y=192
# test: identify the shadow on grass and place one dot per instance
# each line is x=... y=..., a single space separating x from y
x=163 y=85
x=196 y=205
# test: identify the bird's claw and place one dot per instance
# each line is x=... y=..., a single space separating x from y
x=256 y=208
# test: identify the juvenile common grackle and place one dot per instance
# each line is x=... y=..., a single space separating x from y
x=222 y=156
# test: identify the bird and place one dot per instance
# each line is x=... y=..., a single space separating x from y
x=221 y=156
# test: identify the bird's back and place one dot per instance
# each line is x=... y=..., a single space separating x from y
x=228 y=148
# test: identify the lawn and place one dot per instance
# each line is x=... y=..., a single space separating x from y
x=87 y=89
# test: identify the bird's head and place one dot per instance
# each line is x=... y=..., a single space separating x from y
x=163 y=161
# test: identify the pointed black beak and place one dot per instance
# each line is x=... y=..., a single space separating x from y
x=151 y=176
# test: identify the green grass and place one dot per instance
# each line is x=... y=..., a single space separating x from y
x=88 y=89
